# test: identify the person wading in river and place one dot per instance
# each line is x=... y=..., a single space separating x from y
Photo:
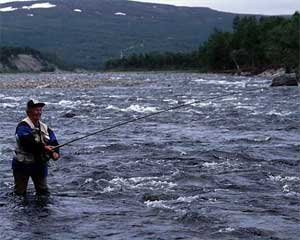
x=34 y=149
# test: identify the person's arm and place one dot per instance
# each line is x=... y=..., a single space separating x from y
x=26 y=139
x=52 y=143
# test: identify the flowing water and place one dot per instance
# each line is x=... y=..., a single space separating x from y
x=227 y=168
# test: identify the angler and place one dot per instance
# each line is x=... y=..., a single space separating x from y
x=35 y=141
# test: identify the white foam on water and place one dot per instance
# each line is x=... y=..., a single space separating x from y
x=108 y=189
x=199 y=80
x=72 y=104
x=229 y=99
x=152 y=183
x=221 y=82
x=8 y=184
x=164 y=204
x=77 y=10
x=42 y=85
x=137 y=108
x=9 y=105
x=255 y=113
x=226 y=230
x=134 y=108
x=247 y=107
x=279 y=178
x=69 y=104
x=187 y=199
x=171 y=101
x=112 y=107
x=103 y=145
x=215 y=165
x=88 y=180
x=12 y=98
x=140 y=179
x=264 y=139
x=283 y=114
x=193 y=111
x=210 y=164
x=117 y=96
x=158 y=204
x=199 y=104
x=212 y=200
x=88 y=104
x=182 y=153
x=286 y=188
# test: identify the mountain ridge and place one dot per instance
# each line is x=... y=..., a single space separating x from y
x=101 y=30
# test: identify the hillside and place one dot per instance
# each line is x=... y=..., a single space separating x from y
x=254 y=45
x=87 y=33
x=24 y=60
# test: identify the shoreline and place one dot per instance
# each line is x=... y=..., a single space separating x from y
x=270 y=72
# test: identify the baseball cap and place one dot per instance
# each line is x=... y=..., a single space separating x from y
x=34 y=103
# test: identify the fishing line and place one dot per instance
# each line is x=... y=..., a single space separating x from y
x=153 y=114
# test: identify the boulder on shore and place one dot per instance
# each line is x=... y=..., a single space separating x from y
x=272 y=72
x=285 y=80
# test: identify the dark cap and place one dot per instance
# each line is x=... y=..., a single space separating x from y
x=34 y=103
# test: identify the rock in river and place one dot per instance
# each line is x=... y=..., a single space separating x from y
x=285 y=80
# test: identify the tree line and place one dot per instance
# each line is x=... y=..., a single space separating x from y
x=254 y=44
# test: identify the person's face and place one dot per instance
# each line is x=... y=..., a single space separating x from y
x=35 y=113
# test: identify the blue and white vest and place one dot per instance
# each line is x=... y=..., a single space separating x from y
x=40 y=135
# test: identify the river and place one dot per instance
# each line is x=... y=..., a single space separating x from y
x=227 y=168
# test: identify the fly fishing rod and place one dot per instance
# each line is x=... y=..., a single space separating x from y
x=151 y=115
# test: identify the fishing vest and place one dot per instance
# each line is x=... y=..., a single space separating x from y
x=40 y=135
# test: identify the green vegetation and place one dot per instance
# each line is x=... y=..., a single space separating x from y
x=156 y=61
x=90 y=38
x=254 y=45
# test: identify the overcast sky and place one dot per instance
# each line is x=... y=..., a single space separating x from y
x=239 y=6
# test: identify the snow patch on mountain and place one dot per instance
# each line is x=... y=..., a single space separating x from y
x=33 y=6
x=120 y=14
x=39 y=5
x=8 y=9
x=9 y=1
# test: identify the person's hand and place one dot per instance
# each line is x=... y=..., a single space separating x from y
x=48 y=149
x=55 y=156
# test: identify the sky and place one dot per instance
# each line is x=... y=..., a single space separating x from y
x=268 y=7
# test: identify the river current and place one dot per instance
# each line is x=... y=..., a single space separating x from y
x=227 y=168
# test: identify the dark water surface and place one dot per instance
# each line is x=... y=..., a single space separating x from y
x=222 y=169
